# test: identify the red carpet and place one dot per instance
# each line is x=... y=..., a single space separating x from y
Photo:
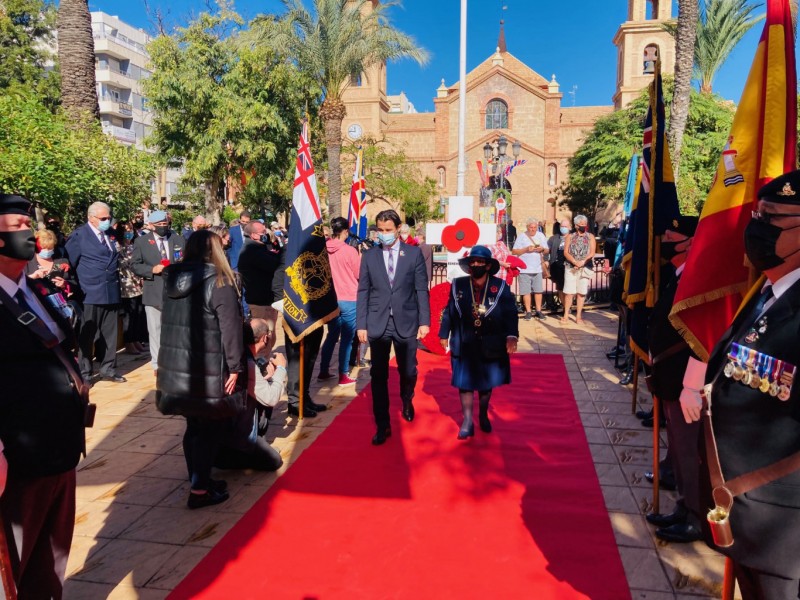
x=514 y=514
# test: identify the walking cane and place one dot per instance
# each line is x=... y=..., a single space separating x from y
x=656 y=453
x=728 y=581
x=9 y=587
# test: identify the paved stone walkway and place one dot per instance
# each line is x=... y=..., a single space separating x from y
x=135 y=538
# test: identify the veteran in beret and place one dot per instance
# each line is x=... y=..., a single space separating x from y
x=43 y=408
x=750 y=471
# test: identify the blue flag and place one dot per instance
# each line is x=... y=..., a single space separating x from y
x=627 y=206
x=309 y=300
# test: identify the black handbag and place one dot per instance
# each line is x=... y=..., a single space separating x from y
x=205 y=408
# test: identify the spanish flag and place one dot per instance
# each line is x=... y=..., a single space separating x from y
x=761 y=146
x=655 y=211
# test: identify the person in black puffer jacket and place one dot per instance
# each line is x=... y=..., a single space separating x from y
x=201 y=363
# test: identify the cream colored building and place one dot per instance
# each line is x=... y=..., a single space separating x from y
x=506 y=97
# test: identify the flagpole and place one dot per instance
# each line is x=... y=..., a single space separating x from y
x=9 y=586
x=302 y=379
x=656 y=454
x=462 y=104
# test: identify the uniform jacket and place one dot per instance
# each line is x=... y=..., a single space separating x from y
x=407 y=298
x=499 y=322
x=237 y=243
x=95 y=265
x=41 y=413
x=146 y=255
x=753 y=430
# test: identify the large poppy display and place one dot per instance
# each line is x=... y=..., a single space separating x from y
x=439 y=296
x=464 y=233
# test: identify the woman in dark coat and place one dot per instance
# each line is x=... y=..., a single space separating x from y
x=201 y=363
x=482 y=323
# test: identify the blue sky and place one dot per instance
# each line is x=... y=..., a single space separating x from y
x=572 y=40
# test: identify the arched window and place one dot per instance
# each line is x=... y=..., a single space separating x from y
x=496 y=115
x=552 y=174
x=442 y=177
x=649 y=58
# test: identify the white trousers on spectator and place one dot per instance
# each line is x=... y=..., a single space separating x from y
x=154 y=332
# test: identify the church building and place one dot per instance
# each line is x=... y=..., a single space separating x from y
x=507 y=98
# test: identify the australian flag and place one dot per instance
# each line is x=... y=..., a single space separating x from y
x=309 y=300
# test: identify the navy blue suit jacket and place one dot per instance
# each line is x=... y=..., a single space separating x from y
x=96 y=266
x=237 y=243
x=407 y=298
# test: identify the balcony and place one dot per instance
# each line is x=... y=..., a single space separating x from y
x=118 y=46
x=110 y=105
x=114 y=76
x=126 y=136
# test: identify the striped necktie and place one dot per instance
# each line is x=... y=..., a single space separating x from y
x=390 y=270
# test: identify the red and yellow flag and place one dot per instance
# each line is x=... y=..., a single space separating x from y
x=761 y=146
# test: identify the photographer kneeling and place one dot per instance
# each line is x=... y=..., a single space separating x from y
x=245 y=445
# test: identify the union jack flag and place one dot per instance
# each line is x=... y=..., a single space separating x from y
x=357 y=212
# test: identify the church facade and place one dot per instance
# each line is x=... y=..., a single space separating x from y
x=506 y=97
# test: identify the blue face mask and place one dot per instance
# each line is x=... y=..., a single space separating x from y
x=387 y=239
x=564 y=230
x=46 y=254
x=104 y=225
x=128 y=235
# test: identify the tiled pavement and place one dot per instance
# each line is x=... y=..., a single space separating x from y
x=134 y=537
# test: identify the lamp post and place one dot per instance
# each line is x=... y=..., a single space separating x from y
x=497 y=155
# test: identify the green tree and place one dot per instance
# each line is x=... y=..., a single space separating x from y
x=393 y=179
x=722 y=25
x=340 y=41
x=63 y=169
x=598 y=170
x=26 y=30
x=223 y=109
x=76 y=59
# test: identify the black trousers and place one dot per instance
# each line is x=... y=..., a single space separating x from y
x=39 y=518
x=682 y=439
x=134 y=321
x=98 y=337
x=312 y=342
x=757 y=585
x=263 y=457
x=201 y=443
x=405 y=349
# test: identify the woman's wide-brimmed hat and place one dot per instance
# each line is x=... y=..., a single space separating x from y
x=480 y=252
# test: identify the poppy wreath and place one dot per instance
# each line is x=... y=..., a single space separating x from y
x=464 y=233
x=439 y=296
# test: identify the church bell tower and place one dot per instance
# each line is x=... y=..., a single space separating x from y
x=640 y=41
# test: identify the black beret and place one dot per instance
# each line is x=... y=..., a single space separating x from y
x=11 y=204
x=685 y=225
x=782 y=190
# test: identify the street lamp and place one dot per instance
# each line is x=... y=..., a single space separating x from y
x=497 y=155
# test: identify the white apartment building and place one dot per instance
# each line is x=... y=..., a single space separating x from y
x=121 y=62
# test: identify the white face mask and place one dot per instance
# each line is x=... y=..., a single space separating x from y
x=46 y=254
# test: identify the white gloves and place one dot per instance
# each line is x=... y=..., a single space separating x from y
x=3 y=470
x=693 y=381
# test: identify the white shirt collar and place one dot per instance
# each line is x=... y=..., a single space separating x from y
x=10 y=287
x=97 y=232
x=785 y=282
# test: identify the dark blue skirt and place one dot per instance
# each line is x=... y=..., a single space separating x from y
x=472 y=371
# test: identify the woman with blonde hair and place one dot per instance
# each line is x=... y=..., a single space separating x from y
x=201 y=364
x=56 y=275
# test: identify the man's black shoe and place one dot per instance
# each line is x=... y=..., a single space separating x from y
x=649 y=423
x=294 y=411
x=219 y=485
x=665 y=483
x=316 y=407
x=680 y=533
x=408 y=411
x=527 y=316
x=627 y=378
x=113 y=378
x=539 y=315
x=676 y=517
x=381 y=435
x=644 y=414
x=210 y=498
x=616 y=352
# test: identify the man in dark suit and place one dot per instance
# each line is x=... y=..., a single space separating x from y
x=152 y=252
x=755 y=402
x=93 y=255
x=41 y=414
x=392 y=308
x=258 y=262
x=238 y=238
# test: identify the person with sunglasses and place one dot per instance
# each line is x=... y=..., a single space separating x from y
x=94 y=256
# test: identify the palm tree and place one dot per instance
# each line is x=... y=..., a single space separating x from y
x=76 y=57
x=722 y=25
x=342 y=40
x=685 y=40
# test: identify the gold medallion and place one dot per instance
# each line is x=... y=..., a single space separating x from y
x=774 y=388
x=738 y=372
x=747 y=377
x=755 y=382
x=728 y=371
x=765 y=385
x=477 y=323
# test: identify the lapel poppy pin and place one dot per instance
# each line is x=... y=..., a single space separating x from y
x=152 y=242
x=493 y=289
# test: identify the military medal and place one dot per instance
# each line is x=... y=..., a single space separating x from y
x=728 y=370
x=774 y=388
x=478 y=308
x=738 y=372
